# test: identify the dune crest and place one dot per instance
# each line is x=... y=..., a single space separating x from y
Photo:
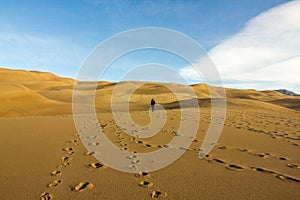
x=32 y=93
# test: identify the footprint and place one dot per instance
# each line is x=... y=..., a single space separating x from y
x=55 y=173
x=148 y=145
x=132 y=157
x=234 y=167
x=75 y=142
x=292 y=179
x=82 y=186
x=68 y=150
x=89 y=153
x=259 y=169
x=293 y=166
x=279 y=176
x=65 y=164
x=103 y=125
x=143 y=174
x=124 y=148
x=174 y=133
x=284 y=177
x=66 y=158
x=132 y=167
x=118 y=141
x=62 y=165
x=96 y=165
x=91 y=137
x=157 y=194
x=242 y=150
x=146 y=184
x=183 y=148
x=264 y=155
x=135 y=162
x=218 y=160
x=94 y=144
x=54 y=183
x=282 y=158
x=46 y=196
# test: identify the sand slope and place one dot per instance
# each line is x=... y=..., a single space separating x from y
x=256 y=157
x=25 y=93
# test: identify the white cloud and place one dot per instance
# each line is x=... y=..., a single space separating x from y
x=266 y=52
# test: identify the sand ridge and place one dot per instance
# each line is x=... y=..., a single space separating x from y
x=27 y=93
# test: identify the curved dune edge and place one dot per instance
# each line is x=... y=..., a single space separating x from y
x=27 y=93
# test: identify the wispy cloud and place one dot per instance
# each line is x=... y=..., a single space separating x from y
x=24 y=50
x=266 y=53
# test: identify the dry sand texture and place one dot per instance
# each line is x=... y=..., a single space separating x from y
x=256 y=157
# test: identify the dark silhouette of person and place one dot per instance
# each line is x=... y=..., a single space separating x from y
x=152 y=105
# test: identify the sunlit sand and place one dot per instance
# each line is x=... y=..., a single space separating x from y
x=256 y=157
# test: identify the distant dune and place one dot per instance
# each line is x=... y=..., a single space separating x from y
x=32 y=93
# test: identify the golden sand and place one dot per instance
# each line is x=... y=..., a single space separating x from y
x=256 y=157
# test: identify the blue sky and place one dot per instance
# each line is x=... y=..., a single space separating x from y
x=57 y=36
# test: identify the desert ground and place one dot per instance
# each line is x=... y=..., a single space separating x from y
x=256 y=157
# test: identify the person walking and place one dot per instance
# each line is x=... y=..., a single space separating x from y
x=152 y=105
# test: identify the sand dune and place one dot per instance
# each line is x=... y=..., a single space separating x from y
x=256 y=157
x=292 y=103
x=26 y=93
x=18 y=100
